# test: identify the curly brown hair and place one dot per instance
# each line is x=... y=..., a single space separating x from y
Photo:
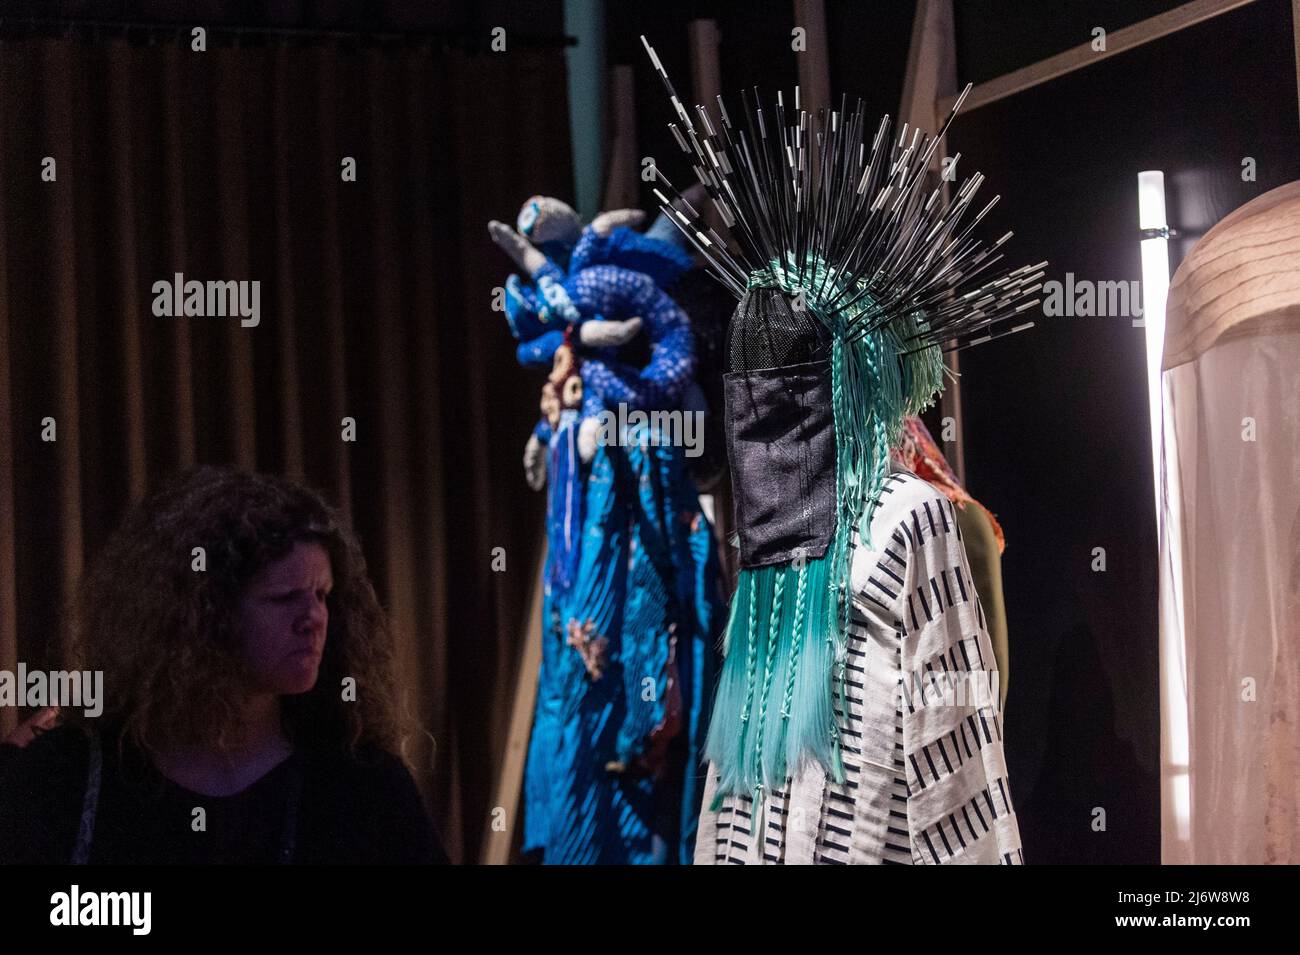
x=165 y=635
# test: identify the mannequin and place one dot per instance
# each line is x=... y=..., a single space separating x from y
x=856 y=718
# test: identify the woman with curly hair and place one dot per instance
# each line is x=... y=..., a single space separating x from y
x=249 y=713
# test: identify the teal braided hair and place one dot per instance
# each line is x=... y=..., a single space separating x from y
x=873 y=386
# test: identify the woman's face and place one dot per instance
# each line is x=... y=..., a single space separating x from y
x=284 y=619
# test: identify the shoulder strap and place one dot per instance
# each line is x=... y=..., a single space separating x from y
x=89 y=805
x=289 y=834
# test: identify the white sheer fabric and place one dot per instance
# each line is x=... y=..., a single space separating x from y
x=1230 y=543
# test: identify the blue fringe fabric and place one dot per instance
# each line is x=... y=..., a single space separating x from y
x=631 y=608
x=645 y=606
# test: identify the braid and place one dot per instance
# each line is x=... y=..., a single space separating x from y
x=799 y=598
x=773 y=627
x=749 y=662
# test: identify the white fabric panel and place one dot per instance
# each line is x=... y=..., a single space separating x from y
x=925 y=775
x=1230 y=602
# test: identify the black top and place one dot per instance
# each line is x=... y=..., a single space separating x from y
x=316 y=807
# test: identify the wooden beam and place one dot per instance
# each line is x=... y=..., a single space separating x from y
x=932 y=74
x=706 y=81
x=497 y=844
x=622 y=176
x=813 y=62
x=1120 y=41
x=931 y=66
x=706 y=75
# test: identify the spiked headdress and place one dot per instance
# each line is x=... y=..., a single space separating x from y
x=854 y=276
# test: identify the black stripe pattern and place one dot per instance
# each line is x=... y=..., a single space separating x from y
x=925 y=778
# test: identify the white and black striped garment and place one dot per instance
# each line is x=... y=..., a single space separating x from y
x=925 y=777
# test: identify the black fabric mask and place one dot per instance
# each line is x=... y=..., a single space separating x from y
x=781 y=446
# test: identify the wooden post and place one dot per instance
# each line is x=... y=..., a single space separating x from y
x=931 y=76
x=706 y=81
x=623 y=174
x=497 y=844
x=814 y=65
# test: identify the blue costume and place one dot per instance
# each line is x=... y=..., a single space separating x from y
x=631 y=609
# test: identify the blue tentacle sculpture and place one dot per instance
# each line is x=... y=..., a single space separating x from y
x=631 y=610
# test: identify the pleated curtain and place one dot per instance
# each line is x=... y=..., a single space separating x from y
x=375 y=305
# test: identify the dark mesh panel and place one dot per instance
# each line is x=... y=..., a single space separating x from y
x=767 y=332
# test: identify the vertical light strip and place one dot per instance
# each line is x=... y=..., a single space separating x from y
x=1155 y=290
x=1152 y=220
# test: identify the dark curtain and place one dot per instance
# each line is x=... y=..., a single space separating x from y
x=376 y=304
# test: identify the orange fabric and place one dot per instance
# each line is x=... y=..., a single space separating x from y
x=917 y=452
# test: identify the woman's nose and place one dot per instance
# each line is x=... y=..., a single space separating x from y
x=317 y=614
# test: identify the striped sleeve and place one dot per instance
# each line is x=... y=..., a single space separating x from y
x=959 y=805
